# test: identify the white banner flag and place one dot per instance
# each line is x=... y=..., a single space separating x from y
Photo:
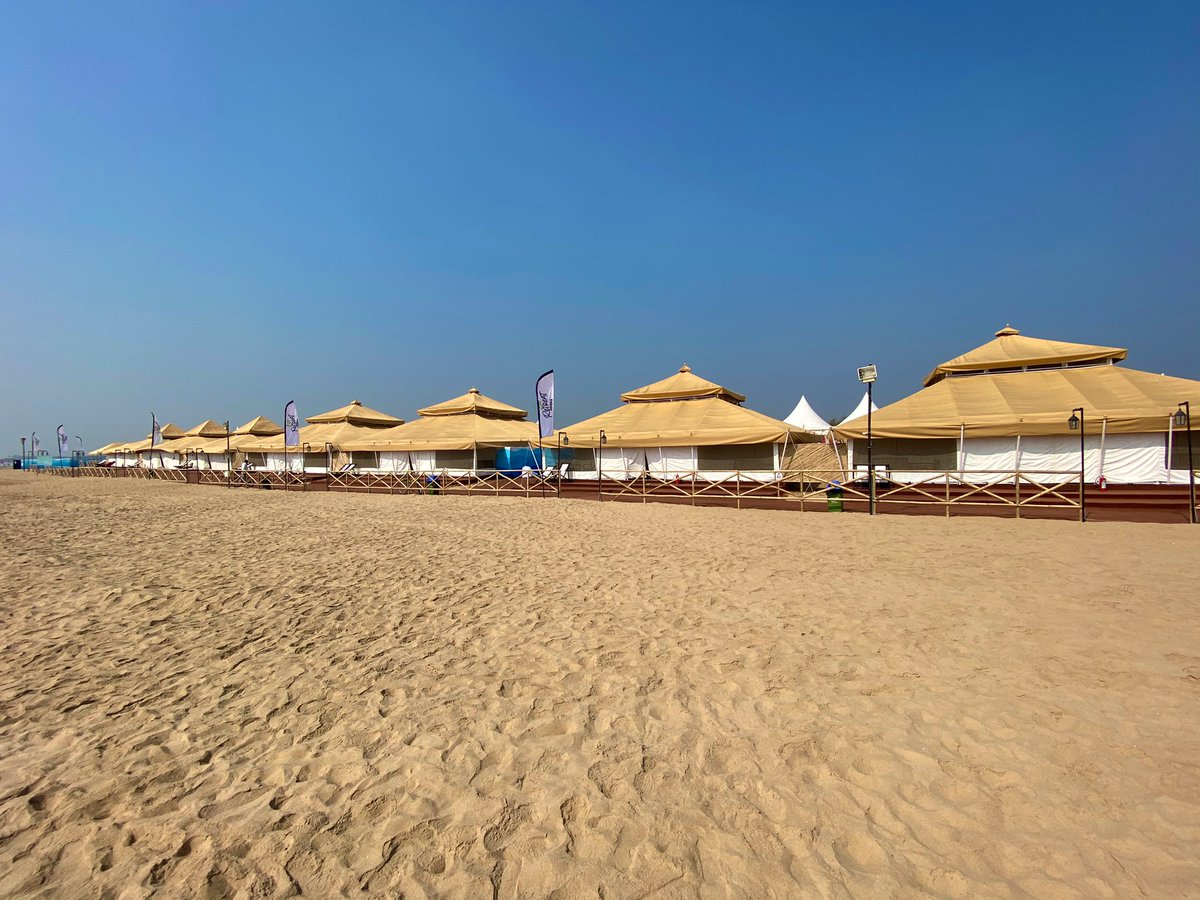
x=63 y=449
x=155 y=431
x=544 y=388
x=35 y=444
x=291 y=425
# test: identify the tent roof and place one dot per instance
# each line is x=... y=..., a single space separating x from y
x=170 y=431
x=259 y=425
x=356 y=414
x=703 y=422
x=806 y=418
x=473 y=402
x=251 y=433
x=316 y=436
x=1012 y=350
x=450 y=432
x=1033 y=402
x=683 y=385
x=472 y=420
x=207 y=428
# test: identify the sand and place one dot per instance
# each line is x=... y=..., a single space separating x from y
x=244 y=693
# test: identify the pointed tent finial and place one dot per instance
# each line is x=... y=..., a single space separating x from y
x=473 y=390
x=356 y=403
x=1006 y=331
x=685 y=368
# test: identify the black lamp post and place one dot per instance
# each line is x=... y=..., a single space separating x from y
x=867 y=375
x=1076 y=423
x=1183 y=416
x=563 y=440
x=599 y=462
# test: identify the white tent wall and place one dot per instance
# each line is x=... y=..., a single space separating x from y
x=1120 y=458
x=622 y=462
x=394 y=461
x=423 y=460
x=295 y=463
x=1126 y=458
x=669 y=462
x=217 y=462
x=158 y=459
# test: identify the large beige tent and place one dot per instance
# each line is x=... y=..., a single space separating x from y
x=685 y=425
x=459 y=435
x=1006 y=405
x=216 y=452
x=325 y=435
x=181 y=446
x=132 y=453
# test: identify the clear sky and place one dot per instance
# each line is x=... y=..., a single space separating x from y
x=208 y=209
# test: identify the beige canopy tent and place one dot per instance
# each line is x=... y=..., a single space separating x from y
x=684 y=424
x=131 y=450
x=108 y=448
x=335 y=428
x=187 y=441
x=1038 y=402
x=1051 y=378
x=465 y=423
x=1007 y=404
x=257 y=429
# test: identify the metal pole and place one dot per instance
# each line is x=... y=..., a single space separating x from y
x=22 y=452
x=599 y=466
x=1187 y=411
x=558 y=463
x=870 y=455
x=228 y=457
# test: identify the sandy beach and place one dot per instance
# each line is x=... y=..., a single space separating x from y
x=211 y=693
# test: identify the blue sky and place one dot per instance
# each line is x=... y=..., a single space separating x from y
x=208 y=209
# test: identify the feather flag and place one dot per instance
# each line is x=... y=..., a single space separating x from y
x=544 y=389
x=291 y=425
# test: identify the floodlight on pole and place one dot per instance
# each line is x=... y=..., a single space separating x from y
x=867 y=375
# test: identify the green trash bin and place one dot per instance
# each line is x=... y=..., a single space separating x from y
x=833 y=497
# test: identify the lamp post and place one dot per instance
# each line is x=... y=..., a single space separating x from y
x=1183 y=416
x=600 y=463
x=562 y=439
x=867 y=375
x=1076 y=423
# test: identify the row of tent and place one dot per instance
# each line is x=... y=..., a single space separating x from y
x=661 y=426
x=1003 y=406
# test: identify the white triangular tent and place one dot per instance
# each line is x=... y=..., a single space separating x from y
x=861 y=409
x=806 y=418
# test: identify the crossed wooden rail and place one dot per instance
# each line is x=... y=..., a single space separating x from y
x=1016 y=490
